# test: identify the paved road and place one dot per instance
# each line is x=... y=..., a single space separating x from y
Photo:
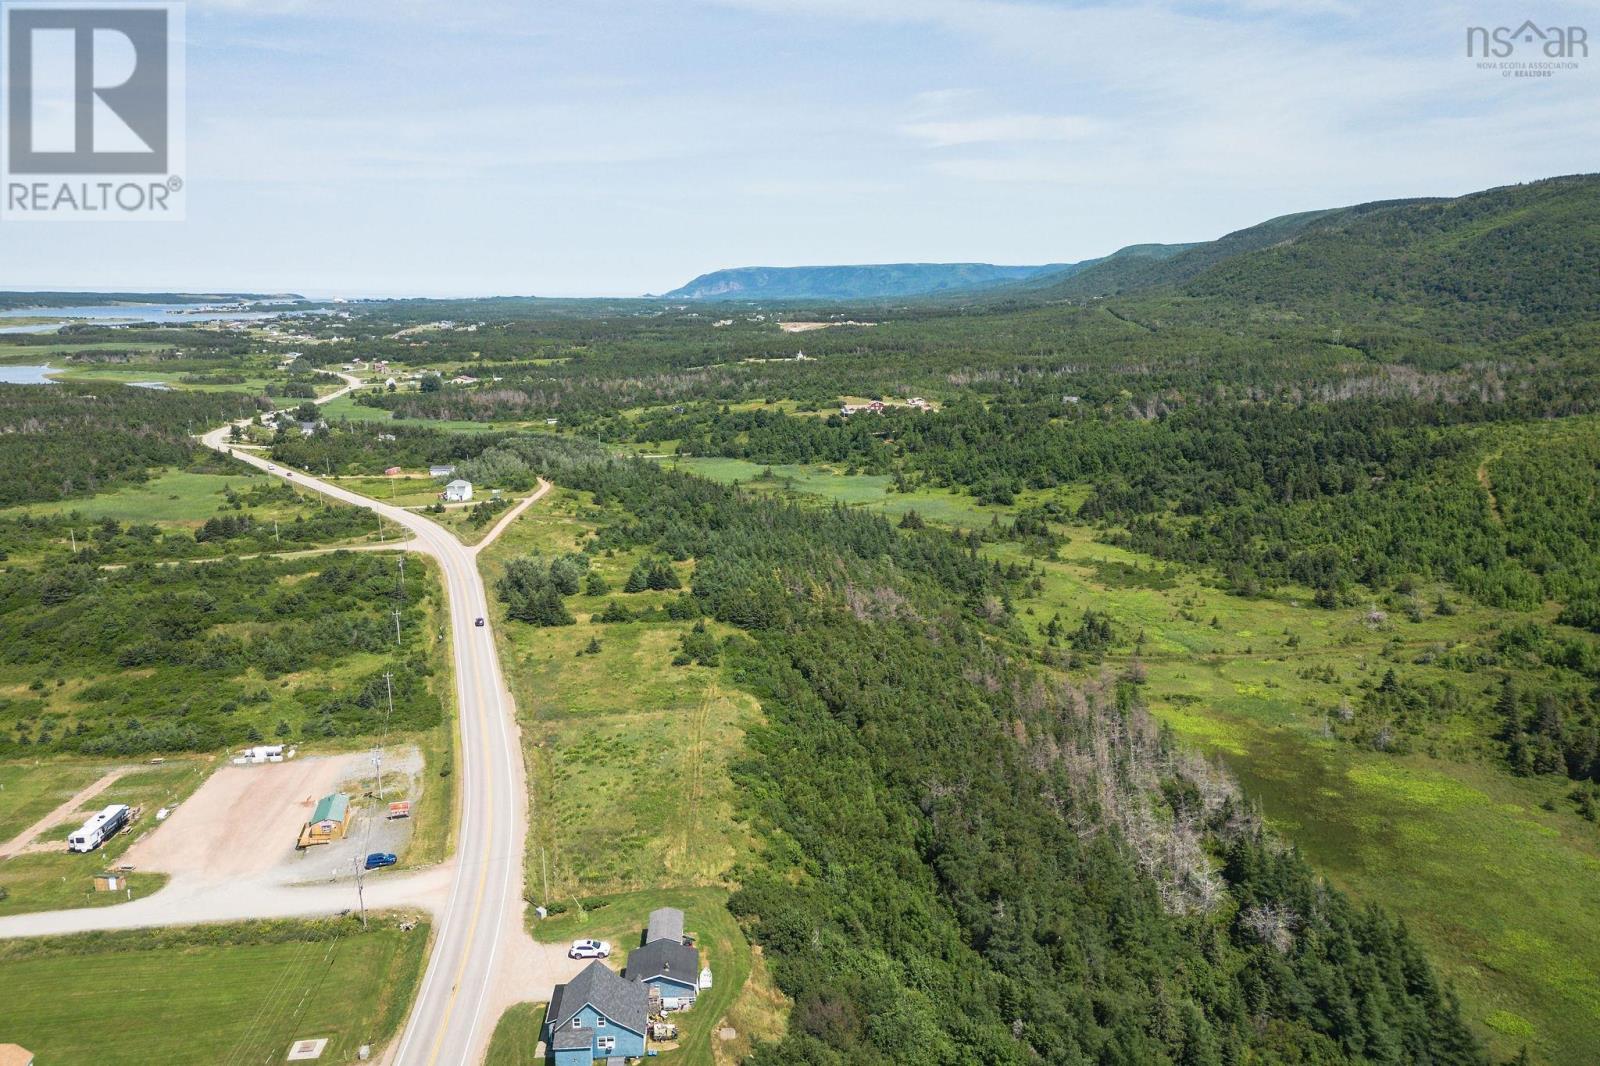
x=449 y=1022
x=482 y=956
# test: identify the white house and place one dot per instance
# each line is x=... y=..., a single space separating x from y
x=458 y=491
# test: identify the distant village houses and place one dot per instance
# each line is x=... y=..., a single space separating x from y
x=877 y=407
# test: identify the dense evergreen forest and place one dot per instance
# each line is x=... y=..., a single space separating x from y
x=65 y=441
x=971 y=858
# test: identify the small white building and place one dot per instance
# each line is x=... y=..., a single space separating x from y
x=263 y=753
x=458 y=491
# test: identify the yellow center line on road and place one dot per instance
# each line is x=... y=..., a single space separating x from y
x=450 y=554
x=483 y=881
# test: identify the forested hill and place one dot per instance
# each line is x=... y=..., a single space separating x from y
x=1523 y=256
x=865 y=282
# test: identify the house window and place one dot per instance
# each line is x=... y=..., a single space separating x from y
x=577 y=1023
x=606 y=1043
x=599 y=1023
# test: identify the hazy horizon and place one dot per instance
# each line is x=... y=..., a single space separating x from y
x=612 y=150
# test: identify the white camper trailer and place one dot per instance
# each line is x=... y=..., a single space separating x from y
x=100 y=828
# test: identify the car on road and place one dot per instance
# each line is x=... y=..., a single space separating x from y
x=271 y=469
x=379 y=859
x=589 y=949
x=479 y=623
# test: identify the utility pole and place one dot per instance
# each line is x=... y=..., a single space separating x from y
x=377 y=752
x=74 y=535
x=402 y=572
x=275 y=538
x=361 y=885
x=396 y=613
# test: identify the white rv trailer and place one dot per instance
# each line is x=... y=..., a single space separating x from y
x=100 y=828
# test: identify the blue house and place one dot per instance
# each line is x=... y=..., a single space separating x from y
x=597 y=1015
x=669 y=969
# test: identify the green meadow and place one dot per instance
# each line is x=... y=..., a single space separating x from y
x=177 y=497
x=627 y=754
x=29 y=791
x=221 y=993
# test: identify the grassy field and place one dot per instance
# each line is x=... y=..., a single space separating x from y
x=346 y=408
x=173 y=497
x=57 y=878
x=738 y=992
x=1498 y=887
x=29 y=791
x=210 y=994
x=627 y=755
x=516 y=1037
x=400 y=491
x=433 y=809
x=871 y=492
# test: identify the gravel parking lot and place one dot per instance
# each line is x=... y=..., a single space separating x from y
x=242 y=823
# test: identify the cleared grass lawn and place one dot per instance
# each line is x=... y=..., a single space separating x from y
x=209 y=995
x=57 y=878
x=29 y=791
x=621 y=920
x=516 y=1037
x=627 y=754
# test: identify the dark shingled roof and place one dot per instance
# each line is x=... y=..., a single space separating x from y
x=665 y=923
x=622 y=1002
x=569 y=1038
x=665 y=958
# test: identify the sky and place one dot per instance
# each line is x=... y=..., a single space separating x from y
x=598 y=147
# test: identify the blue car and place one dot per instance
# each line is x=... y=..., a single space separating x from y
x=380 y=859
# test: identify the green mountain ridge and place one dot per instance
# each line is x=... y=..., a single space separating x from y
x=857 y=282
x=1497 y=262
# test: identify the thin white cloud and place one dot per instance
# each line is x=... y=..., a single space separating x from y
x=1002 y=129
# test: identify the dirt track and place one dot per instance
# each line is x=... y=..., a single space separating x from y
x=20 y=842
